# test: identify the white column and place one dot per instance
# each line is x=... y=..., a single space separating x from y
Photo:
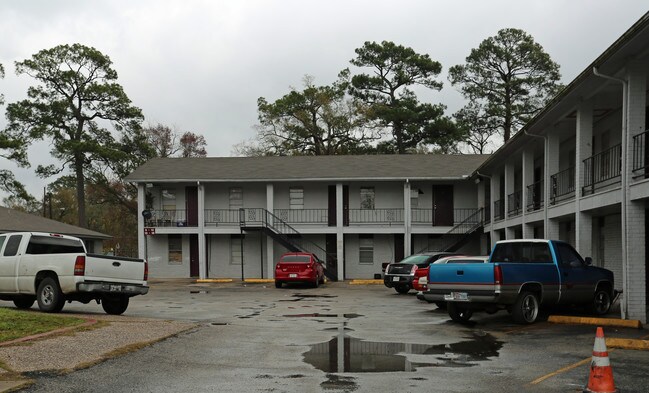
x=528 y=179
x=202 y=255
x=407 y=220
x=270 y=250
x=340 y=237
x=141 y=205
x=584 y=150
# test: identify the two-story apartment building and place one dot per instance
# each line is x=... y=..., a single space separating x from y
x=234 y=217
x=579 y=170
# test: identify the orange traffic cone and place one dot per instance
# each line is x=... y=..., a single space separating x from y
x=601 y=373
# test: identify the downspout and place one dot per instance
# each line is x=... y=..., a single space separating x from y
x=624 y=180
x=546 y=173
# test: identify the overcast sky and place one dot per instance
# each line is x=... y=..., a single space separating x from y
x=201 y=65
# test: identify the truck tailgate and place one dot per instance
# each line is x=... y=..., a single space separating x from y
x=114 y=269
x=473 y=279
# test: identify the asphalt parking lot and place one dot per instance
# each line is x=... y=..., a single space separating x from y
x=342 y=338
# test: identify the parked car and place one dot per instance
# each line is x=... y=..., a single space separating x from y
x=299 y=267
x=400 y=275
x=420 y=283
x=51 y=269
x=520 y=277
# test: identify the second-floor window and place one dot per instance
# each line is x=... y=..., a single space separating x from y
x=367 y=198
x=414 y=198
x=296 y=195
x=366 y=249
x=168 y=199
x=236 y=197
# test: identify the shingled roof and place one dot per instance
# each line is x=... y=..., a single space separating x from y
x=17 y=221
x=368 y=167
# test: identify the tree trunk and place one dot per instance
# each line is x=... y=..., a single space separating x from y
x=398 y=135
x=81 y=194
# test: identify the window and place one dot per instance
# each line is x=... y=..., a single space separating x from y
x=53 y=245
x=367 y=198
x=366 y=249
x=522 y=252
x=567 y=255
x=168 y=198
x=235 y=250
x=175 y=249
x=296 y=198
x=236 y=197
x=2 y=241
x=12 y=245
x=414 y=198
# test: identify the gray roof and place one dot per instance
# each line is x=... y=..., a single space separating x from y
x=291 y=168
x=17 y=221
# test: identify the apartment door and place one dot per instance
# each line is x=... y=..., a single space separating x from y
x=333 y=206
x=399 y=246
x=332 y=250
x=442 y=205
x=191 y=205
x=193 y=255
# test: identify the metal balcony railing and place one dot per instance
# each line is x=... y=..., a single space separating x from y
x=427 y=216
x=563 y=185
x=167 y=218
x=376 y=216
x=535 y=197
x=602 y=169
x=514 y=203
x=303 y=216
x=218 y=217
x=640 y=156
x=499 y=210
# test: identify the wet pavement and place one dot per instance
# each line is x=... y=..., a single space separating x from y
x=342 y=338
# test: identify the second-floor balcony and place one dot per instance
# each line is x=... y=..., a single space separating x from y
x=640 y=156
x=499 y=210
x=603 y=169
x=535 y=198
x=514 y=203
x=562 y=185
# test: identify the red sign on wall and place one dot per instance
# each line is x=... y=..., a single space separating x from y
x=149 y=231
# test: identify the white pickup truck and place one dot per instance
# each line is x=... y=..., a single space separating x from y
x=52 y=269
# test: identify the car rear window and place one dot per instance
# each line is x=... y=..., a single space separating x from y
x=53 y=245
x=296 y=258
x=522 y=252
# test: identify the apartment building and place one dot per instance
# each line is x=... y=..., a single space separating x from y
x=234 y=217
x=579 y=170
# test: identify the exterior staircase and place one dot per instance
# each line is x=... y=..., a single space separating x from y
x=259 y=219
x=460 y=234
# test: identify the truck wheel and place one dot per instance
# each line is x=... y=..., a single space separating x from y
x=458 y=313
x=601 y=302
x=526 y=308
x=49 y=295
x=114 y=305
x=402 y=289
x=24 y=302
x=441 y=305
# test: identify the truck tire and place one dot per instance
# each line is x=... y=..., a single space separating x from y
x=526 y=309
x=601 y=303
x=49 y=295
x=458 y=313
x=24 y=302
x=402 y=289
x=114 y=305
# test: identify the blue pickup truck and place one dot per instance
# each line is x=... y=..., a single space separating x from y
x=520 y=277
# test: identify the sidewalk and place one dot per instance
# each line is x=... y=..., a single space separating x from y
x=67 y=350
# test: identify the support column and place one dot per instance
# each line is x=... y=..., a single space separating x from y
x=340 y=236
x=633 y=225
x=495 y=196
x=141 y=205
x=202 y=254
x=270 y=245
x=551 y=159
x=528 y=179
x=584 y=150
x=407 y=220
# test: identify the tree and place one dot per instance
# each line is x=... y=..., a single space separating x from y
x=318 y=120
x=167 y=142
x=392 y=103
x=478 y=129
x=510 y=76
x=76 y=98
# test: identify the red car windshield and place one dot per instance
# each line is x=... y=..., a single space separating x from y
x=296 y=258
x=415 y=259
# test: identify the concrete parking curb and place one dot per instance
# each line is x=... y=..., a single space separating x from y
x=366 y=282
x=615 y=322
x=258 y=280
x=214 y=280
x=628 y=343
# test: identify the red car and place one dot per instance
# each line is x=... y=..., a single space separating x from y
x=299 y=267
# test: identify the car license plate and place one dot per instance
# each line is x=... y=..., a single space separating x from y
x=292 y=275
x=395 y=279
x=115 y=288
x=460 y=296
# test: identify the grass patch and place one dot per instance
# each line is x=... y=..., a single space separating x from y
x=15 y=324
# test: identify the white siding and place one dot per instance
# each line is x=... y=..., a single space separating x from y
x=383 y=252
x=158 y=257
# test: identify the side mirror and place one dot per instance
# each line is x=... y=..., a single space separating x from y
x=589 y=261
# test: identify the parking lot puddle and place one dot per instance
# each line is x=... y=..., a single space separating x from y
x=318 y=315
x=347 y=354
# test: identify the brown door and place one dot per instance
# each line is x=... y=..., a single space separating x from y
x=332 y=251
x=191 y=205
x=193 y=255
x=443 y=205
x=346 y=206
x=398 y=246
x=332 y=206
